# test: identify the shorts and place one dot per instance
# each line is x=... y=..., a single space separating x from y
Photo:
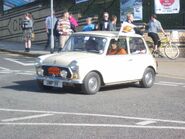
x=27 y=34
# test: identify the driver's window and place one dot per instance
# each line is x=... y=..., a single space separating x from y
x=117 y=47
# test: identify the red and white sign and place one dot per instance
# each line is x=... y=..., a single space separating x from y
x=167 y=6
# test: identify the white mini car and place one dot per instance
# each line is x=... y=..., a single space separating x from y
x=85 y=60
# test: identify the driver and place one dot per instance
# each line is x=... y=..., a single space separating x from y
x=115 y=49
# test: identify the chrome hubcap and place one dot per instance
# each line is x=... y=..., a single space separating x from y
x=93 y=83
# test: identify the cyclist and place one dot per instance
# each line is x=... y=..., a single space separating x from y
x=153 y=27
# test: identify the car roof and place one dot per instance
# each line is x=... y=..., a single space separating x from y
x=107 y=33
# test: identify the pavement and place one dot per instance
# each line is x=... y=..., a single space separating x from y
x=166 y=67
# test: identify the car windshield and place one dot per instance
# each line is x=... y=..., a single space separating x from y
x=90 y=44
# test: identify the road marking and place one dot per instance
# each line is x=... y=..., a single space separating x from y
x=93 y=115
x=171 y=76
x=26 y=117
x=95 y=125
x=172 y=83
x=145 y=123
x=18 y=62
x=21 y=72
x=26 y=73
x=3 y=68
x=169 y=83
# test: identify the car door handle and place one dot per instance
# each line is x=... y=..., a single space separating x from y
x=130 y=60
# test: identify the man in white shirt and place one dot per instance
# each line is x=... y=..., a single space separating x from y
x=49 y=27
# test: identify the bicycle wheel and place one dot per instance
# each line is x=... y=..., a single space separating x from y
x=171 y=51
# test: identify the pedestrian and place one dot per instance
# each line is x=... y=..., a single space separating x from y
x=112 y=25
x=49 y=27
x=153 y=27
x=89 y=26
x=64 y=29
x=27 y=27
x=128 y=26
x=104 y=24
x=73 y=21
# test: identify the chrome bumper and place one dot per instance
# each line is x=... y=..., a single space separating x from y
x=42 y=78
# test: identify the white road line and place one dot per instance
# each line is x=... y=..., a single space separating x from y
x=171 y=76
x=93 y=115
x=3 y=68
x=145 y=123
x=173 y=85
x=17 y=72
x=170 y=83
x=26 y=73
x=18 y=62
x=95 y=125
x=26 y=117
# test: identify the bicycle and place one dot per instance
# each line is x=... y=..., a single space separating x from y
x=171 y=50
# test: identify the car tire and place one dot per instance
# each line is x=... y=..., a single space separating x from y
x=148 y=78
x=43 y=87
x=91 y=84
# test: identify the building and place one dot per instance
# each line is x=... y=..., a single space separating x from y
x=10 y=19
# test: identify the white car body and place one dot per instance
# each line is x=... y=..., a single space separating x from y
x=111 y=69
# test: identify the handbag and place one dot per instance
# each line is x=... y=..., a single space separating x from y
x=33 y=36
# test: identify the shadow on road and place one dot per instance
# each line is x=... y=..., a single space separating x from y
x=32 y=87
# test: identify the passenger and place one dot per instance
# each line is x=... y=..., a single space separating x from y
x=115 y=49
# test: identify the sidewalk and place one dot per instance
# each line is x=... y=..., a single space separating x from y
x=166 y=68
x=16 y=47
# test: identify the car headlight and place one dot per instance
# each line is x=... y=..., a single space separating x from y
x=40 y=71
x=75 y=69
x=63 y=73
x=74 y=66
x=38 y=62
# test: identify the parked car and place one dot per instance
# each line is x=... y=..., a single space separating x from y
x=85 y=62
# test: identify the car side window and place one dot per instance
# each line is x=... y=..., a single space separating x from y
x=123 y=43
x=137 y=45
x=116 y=47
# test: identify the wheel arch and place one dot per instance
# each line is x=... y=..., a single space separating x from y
x=101 y=77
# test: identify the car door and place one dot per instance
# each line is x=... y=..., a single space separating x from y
x=117 y=67
x=138 y=57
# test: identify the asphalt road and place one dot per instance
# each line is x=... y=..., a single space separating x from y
x=116 y=112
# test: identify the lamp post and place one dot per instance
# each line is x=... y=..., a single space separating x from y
x=52 y=25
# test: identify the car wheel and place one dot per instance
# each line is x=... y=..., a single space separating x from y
x=91 y=83
x=43 y=87
x=148 y=78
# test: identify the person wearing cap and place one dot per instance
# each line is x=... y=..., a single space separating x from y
x=105 y=23
x=115 y=49
x=153 y=27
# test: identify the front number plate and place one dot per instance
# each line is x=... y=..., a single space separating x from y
x=53 y=83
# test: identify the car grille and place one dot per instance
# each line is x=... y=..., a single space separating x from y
x=55 y=71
